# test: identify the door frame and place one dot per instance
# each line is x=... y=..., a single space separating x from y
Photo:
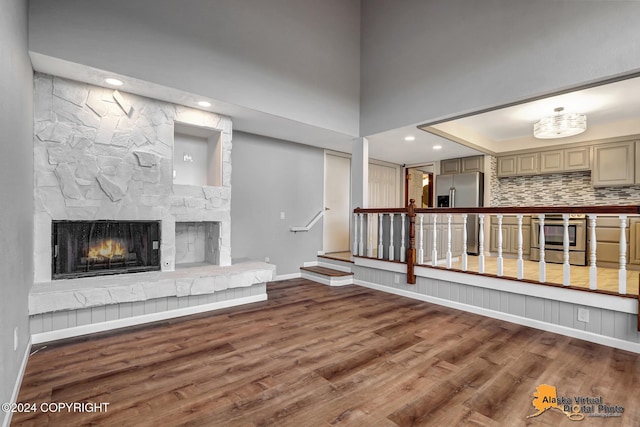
x=324 y=197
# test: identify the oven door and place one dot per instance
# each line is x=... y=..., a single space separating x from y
x=554 y=240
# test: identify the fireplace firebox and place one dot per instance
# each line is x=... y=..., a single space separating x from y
x=94 y=248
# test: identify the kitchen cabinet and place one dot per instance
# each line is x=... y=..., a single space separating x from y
x=518 y=164
x=577 y=159
x=510 y=235
x=552 y=161
x=527 y=164
x=613 y=164
x=567 y=160
x=472 y=164
x=634 y=241
x=450 y=166
x=608 y=240
x=507 y=166
x=462 y=165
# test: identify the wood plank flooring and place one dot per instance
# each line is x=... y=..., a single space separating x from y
x=607 y=276
x=314 y=355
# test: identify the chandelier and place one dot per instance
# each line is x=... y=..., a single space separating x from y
x=561 y=125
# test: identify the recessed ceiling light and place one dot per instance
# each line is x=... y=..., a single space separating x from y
x=113 y=82
x=410 y=138
x=204 y=104
x=437 y=147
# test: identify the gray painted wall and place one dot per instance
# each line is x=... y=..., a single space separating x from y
x=16 y=189
x=425 y=60
x=296 y=59
x=270 y=176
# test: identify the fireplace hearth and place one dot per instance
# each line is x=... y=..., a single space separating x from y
x=94 y=248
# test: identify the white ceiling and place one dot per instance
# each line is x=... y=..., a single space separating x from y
x=612 y=110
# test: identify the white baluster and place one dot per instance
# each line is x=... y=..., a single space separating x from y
x=369 y=235
x=434 y=250
x=542 y=264
x=464 y=242
x=403 y=249
x=499 y=260
x=622 y=273
x=391 y=248
x=448 y=240
x=481 y=244
x=361 y=247
x=593 y=270
x=354 y=249
x=380 y=247
x=520 y=262
x=566 y=268
x=421 y=242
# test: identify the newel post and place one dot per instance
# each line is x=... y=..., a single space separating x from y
x=411 y=250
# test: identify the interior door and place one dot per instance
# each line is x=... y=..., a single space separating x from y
x=337 y=187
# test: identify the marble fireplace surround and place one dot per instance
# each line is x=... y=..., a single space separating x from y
x=104 y=155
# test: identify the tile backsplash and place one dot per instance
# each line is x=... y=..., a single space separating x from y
x=561 y=189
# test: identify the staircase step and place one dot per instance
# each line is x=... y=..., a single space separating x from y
x=327 y=276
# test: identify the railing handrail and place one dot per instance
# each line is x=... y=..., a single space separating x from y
x=620 y=210
x=313 y=222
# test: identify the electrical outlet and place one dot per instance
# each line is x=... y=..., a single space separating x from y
x=281 y=215
x=583 y=315
x=396 y=279
x=15 y=339
x=267 y=259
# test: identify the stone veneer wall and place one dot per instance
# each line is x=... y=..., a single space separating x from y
x=560 y=189
x=104 y=155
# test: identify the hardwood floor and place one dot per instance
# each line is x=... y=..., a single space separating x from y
x=314 y=355
x=607 y=277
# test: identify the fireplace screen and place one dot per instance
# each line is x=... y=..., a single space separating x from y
x=92 y=248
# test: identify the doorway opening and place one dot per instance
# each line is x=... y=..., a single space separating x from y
x=420 y=186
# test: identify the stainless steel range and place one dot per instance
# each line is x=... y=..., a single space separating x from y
x=554 y=239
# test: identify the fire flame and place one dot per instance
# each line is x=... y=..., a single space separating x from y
x=107 y=249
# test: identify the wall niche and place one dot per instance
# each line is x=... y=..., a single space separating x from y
x=197 y=156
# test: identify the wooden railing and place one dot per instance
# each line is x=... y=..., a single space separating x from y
x=393 y=248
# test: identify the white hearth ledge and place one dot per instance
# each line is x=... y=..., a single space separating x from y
x=74 y=294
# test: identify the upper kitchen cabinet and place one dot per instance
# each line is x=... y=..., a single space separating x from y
x=472 y=164
x=551 y=161
x=450 y=166
x=463 y=165
x=507 y=166
x=577 y=159
x=567 y=160
x=614 y=164
x=518 y=164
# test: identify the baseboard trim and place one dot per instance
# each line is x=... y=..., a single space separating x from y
x=137 y=320
x=287 y=277
x=537 y=324
x=16 y=388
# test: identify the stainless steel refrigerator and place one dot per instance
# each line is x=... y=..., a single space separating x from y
x=465 y=190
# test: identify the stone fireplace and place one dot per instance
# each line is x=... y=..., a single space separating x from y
x=135 y=186
x=101 y=155
x=95 y=248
